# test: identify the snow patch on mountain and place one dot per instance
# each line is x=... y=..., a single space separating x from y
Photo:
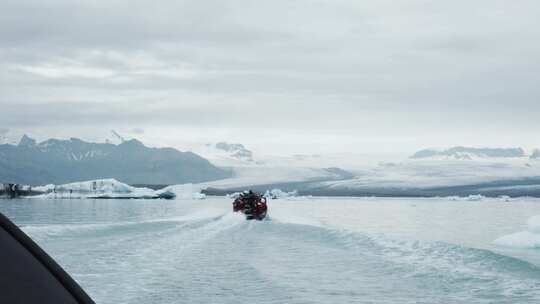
x=3 y=135
x=225 y=154
x=72 y=149
x=27 y=142
x=237 y=151
x=65 y=160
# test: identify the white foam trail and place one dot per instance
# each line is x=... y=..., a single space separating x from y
x=199 y=215
x=282 y=216
x=46 y=231
x=42 y=232
x=523 y=239
x=188 y=237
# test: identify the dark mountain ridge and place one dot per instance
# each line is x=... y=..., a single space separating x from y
x=61 y=161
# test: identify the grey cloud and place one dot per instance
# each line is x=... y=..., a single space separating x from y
x=422 y=65
x=137 y=131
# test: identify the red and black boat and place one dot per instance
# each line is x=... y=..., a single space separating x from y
x=252 y=204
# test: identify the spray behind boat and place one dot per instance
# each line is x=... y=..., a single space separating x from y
x=252 y=204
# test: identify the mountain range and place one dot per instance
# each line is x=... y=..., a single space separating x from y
x=61 y=161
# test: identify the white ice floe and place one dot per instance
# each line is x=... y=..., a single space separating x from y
x=524 y=239
x=102 y=188
x=111 y=188
x=469 y=198
x=278 y=193
x=185 y=191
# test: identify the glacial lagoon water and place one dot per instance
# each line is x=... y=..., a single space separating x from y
x=311 y=250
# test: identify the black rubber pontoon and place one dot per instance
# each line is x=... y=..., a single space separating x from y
x=29 y=275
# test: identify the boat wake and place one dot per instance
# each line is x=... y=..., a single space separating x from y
x=439 y=265
x=215 y=249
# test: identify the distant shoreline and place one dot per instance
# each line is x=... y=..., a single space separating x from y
x=525 y=187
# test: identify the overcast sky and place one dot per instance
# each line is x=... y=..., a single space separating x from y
x=304 y=76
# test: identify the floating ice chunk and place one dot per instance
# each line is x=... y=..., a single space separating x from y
x=505 y=198
x=523 y=239
x=533 y=224
x=102 y=188
x=470 y=198
x=93 y=186
x=185 y=191
x=475 y=198
x=278 y=193
x=44 y=189
x=198 y=195
x=166 y=194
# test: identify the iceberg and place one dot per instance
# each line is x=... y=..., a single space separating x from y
x=525 y=239
x=278 y=193
x=100 y=189
x=113 y=189
x=469 y=198
x=185 y=191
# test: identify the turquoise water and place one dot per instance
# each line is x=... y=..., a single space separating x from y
x=317 y=250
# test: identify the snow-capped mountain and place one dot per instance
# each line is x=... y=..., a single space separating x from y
x=3 y=135
x=61 y=161
x=7 y=136
x=73 y=149
x=225 y=154
x=237 y=151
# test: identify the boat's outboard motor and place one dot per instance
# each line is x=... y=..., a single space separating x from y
x=28 y=275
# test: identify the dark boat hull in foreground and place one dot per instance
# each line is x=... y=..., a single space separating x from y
x=29 y=275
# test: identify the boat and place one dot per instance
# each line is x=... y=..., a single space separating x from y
x=31 y=276
x=252 y=204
